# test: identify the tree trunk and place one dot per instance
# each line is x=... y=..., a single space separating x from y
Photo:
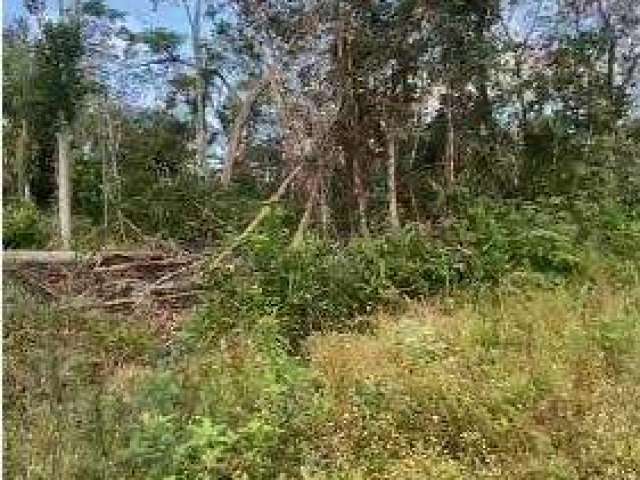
x=304 y=222
x=611 y=64
x=324 y=208
x=521 y=99
x=450 y=157
x=114 y=136
x=235 y=148
x=264 y=211
x=195 y=22
x=392 y=196
x=21 y=163
x=105 y=183
x=414 y=200
x=201 y=125
x=64 y=187
x=361 y=198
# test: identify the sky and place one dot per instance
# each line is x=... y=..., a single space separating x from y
x=170 y=14
x=140 y=14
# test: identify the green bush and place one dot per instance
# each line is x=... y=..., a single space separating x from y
x=221 y=413
x=323 y=286
x=24 y=226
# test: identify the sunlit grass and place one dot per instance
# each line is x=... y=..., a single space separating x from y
x=522 y=382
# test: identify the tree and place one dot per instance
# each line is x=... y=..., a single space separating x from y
x=60 y=88
x=17 y=108
x=205 y=31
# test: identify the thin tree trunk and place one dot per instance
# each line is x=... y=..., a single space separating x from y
x=201 y=126
x=521 y=100
x=450 y=160
x=414 y=201
x=195 y=23
x=611 y=49
x=21 y=164
x=611 y=65
x=113 y=138
x=105 y=184
x=392 y=195
x=324 y=208
x=304 y=222
x=360 y=198
x=235 y=149
x=64 y=187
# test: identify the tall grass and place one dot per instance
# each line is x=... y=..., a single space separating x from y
x=523 y=383
x=505 y=346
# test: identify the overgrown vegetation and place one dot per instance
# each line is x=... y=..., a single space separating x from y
x=24 y=226
x=515 y=359
x=417 y=225
x=323 y=286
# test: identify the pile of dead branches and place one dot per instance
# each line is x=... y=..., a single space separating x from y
x=109 y=281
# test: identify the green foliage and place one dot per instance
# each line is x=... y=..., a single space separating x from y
x=158 y=192
x=87 y=192
x=327 y=287
x=59 y=79
x=504 y=237
x=519 y=383
x=23 y=226
x=160 y=41
x=321 y=286
x=221 y=414
x=99 y=9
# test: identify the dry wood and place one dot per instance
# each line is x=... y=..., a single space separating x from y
x=235 y=150
x=139 y=265
x=35 y=285
x=264 y=211
x=64 y=186
x=115 y=280
x=302 y=226
x=16 y=257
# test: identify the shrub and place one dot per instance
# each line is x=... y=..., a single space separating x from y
x=323 y=286
x=222 y=413
x=24 y=226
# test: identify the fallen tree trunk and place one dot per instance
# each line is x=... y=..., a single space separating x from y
x=264 y=211
x=302 y=226
x=60 y=257
x=17 y=257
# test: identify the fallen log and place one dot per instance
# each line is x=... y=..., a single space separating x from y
x=61 y=257
x=165 y=262
x=12 y=258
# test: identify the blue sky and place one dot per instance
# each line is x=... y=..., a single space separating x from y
x=140 y=14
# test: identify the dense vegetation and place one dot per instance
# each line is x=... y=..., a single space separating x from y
x=519 y=361
x=419 y=225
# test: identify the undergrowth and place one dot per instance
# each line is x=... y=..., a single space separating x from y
x=502 y=346
x=327 y=287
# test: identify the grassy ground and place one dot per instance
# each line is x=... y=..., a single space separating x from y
x=523 y=382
